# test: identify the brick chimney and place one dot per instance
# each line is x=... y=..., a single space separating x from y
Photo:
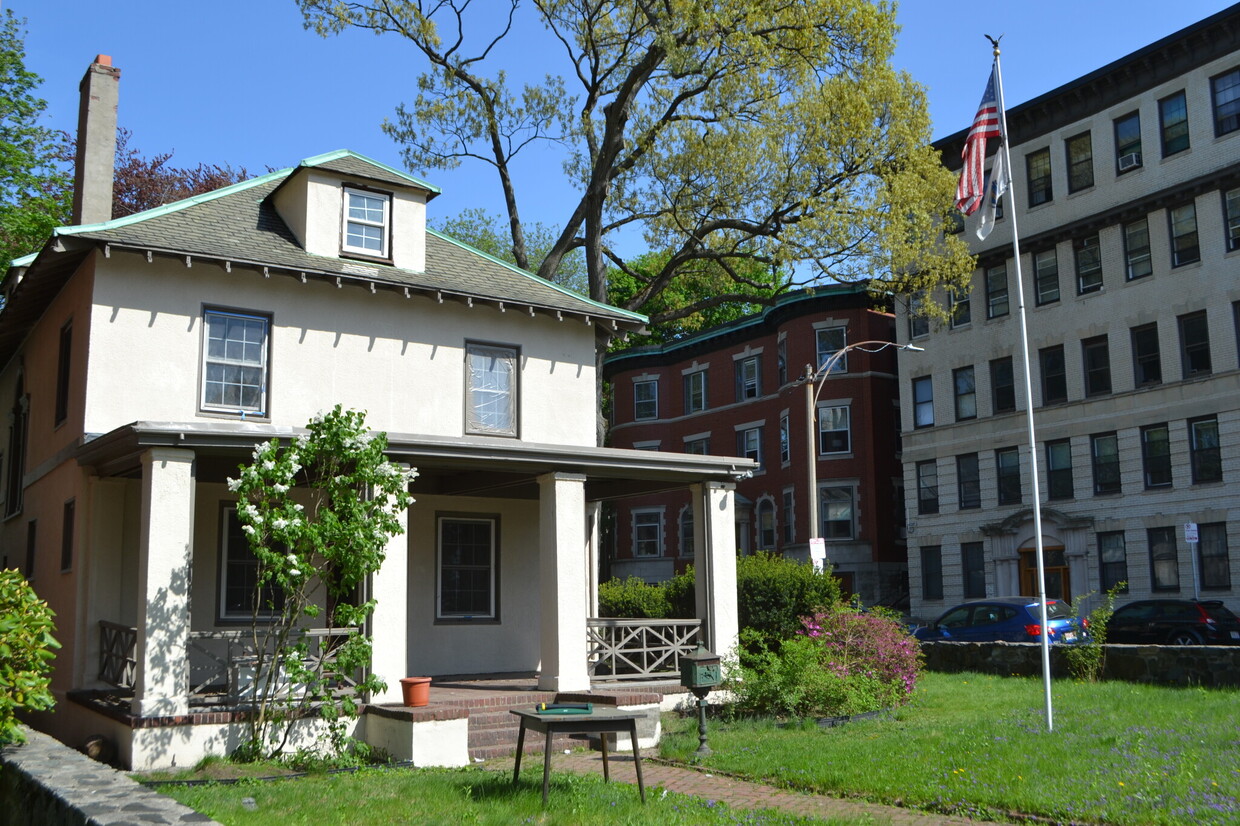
x=94 y=167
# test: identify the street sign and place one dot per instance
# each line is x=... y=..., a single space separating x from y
x=1190 y=532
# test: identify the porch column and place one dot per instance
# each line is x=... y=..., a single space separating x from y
x=164 y=551
x=715 y=566
x=563 y=582
x=390 y=621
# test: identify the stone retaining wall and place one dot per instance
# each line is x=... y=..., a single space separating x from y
x=45 y=783
x=1208 y=665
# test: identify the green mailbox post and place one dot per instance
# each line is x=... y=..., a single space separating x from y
x=700 y=672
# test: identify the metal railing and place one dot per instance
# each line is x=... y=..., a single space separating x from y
x=639 y=649
x=118 y=645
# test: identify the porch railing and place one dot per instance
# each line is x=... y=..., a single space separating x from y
x=222 y=664
x=639 y=649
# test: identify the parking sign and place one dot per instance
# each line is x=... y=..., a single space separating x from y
x=1190 y=531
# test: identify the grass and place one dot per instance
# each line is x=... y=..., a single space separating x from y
x=977 y=745
x=445 y=796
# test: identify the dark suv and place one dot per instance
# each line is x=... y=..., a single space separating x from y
x=1174 y=622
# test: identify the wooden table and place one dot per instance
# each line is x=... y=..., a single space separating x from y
x=601 y=721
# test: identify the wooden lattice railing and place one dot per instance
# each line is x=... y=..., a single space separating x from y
x=639 y=649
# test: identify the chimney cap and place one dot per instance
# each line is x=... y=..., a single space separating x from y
x=103 y=59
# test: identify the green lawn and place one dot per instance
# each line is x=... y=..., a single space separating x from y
x=975 y=744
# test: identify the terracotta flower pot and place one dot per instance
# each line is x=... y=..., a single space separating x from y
x=416 y=690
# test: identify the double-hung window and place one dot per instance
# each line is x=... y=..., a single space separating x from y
x=468 y=565
x=1046 y=276
x=918 y=322
x=1137 y=261
x=1080 y=151
x=1038 y=166
x=927 y=487
x=1214 y=558
x=996 y=291
x=835 y=429
x=1203 y=446
x=1104 y=451
x=1173 y=123
x=1225 y=96
x=923 y=402
x=646 y=399
x=789 y=516
x=931 y=572
x=1146 y=361
x=749 y=444
x=686 y=531
x=837 y=513
x=1112 y=560
x=1054 y=375
x=699 y=446
x=648 y=532
x=785 y=440
x=1007 y=465
x=491 y=390
x=966 y=393
x=234 y=362
x=828 y=342
x=695 y=391
x=1185 y=248
x=63 y=368
x=1096 y=355
x=748 y=379
x=239 y=571
x=1156 y=455
x=1088 y=264
x=1231 y=218
x=766 y=524
x=1002 y=385
x=367 y=222
x=1194 y=344
x=973 y=564
x=961 y=312
x=968 y=482
x=1164 y=559
x=1128 y=142
x=1059 y=469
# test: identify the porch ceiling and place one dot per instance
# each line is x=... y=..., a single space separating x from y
x=464 y=466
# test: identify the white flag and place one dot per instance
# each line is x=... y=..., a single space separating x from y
x=995 y=187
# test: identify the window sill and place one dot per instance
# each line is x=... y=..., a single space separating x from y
x=235 y=417
x=467 y=621
x=359 y=255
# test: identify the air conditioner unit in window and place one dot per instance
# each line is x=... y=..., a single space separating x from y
x=1130 y=161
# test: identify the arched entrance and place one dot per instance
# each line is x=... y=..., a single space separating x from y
x=1058 y=577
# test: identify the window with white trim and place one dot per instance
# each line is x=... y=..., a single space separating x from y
x=835 y=429
x=789 y=515
x=491 y=390
x=686 y=531
x=785 y=441
x=1231 y=218
x=234 y=362
x=837 y=513
x=695 y=391
x=749 y=444
x=648 y=532
x=239 y=575
x=1137 y=261
x=1225 y=97
x=367 y=219
x=646 y=399
x=766 y=524
x=468 y=560
x=829 y=341
x=748 y=379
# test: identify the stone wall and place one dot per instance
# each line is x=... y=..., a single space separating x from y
x=45 y=783
x=1207 y=665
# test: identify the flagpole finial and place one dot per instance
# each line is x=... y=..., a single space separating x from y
x=994 y=42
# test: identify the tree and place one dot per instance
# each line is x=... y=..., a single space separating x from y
x=145 y=183
x=482 y=230
x=26 y=644
x=753 y=137
x=32 y=184
x=318 y=513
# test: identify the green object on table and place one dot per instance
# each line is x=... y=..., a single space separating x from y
x=565 y=708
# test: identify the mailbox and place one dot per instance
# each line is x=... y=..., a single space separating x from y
x=701 y=669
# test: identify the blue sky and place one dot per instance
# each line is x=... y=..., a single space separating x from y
x=240 y=81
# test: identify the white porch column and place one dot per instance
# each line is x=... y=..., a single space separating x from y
x=714 y=523
x=390 y=621
x=563 y=582
x=165 y=548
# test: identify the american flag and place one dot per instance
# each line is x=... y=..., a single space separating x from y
x=971 y=190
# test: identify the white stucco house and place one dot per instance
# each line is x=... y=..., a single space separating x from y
x=142 y=358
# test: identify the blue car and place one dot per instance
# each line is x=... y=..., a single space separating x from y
x=1004 y=619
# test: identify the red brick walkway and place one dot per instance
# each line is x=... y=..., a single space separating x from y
x=739 y=794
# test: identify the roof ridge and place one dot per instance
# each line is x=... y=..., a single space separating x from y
x=336 y=154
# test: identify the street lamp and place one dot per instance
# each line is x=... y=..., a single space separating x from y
x=814 y=382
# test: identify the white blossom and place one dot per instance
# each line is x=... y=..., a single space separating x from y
x=280 y=487
x=279 y=524
x=294 y=572
x=234 y=485
x=248 y=529
x=298 y=508
x=269 y=465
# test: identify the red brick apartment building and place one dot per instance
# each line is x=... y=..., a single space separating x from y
x=736 y=390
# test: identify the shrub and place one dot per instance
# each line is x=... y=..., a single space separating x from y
x=840 y=662
x=1087 y=659
x=773 y=593
x=631 y=598
x=26 y=644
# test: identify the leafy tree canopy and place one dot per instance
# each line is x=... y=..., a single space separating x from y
x=482 y=230
x=745 y=138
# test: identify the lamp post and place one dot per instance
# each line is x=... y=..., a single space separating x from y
x=814 y=382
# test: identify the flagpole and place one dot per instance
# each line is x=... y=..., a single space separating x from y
x=1033 y=444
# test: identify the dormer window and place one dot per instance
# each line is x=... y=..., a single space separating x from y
x=366 y=222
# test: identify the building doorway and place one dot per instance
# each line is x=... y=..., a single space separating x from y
x=1058 y=580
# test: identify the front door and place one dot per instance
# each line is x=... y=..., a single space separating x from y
x=1058 y=583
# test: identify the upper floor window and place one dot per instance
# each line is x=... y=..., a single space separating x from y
x=748 y=379
x=966 y=393
x=996 y=291
x=834 y=429
x=1080 y=151
x=1088 y=264
x=927 y=487
x=1164 y=559
x=961 y=313
x=1203 y=447
x=923 y=402
x=785 y=440
x=749 y=444
x=1156 y=455
x=648 y=532
x=789 y=516
x=1059 y=469
x=699 y=446
x=968 y=482
x=1002 y=385
x=1096 y=355
x=918 y=322
x=1231 y=218
x=829 y=341
x=1038 y=165
x=234 y=362
x=1225 y=96
x=766 y=524
x=695 y=391
x=837 y=513
x=491 y=390
x=646 y=399
x=1173 y=123
x=15 y=467
x=781 y=361
x=1128 y=142
x=63 y=363
x=1184 y=246
x=1146 y=361
x=1007 y=466
x=1046 y=276
x=1112 y=560
x=1054 y=375
x=367 y=217
x=1214 y=560
x=1194 y=344
x=686 y=532
x=1137 y=262
x=1104 y=453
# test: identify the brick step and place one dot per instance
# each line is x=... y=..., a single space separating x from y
x=508 y=748
x=493 y=719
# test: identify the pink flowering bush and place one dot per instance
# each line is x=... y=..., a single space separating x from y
x=841 y=662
